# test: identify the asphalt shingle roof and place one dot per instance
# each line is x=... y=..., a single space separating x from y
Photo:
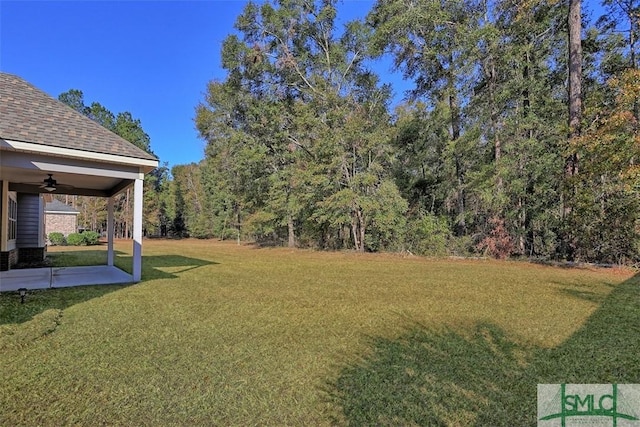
x=27 y=114
x=57 y=206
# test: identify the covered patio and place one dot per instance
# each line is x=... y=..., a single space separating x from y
x=62 y=277
x=47 y=147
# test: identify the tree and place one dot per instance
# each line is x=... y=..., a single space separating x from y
x=606 y=206
x=429 y=42
x=575 y=79
x=74 y=98
x=158 y=208
x=619 y=52
x=131 y=129
x=509 y=102
x=521 y=96
x=484 y=72
x=92 y=209
x=304 y=121
x=190 y=201
x=420 y=141
x=621 y=18
x=101 y=115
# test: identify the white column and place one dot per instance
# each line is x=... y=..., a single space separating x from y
x=137 y=230
x=110 y=231
x=4 y=215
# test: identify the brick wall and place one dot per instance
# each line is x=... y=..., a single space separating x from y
x=30 y=255
x=8 y=259
x=61 y=223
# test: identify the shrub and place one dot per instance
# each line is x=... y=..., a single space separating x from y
x=57 y=239
x=498 y=243
x=460 y=245
x=429 y=235
x=76 y=239
x=387 y=211
x=86 y=238
x=91 y=237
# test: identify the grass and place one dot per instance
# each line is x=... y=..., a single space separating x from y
x=63 y=256
x=221 y=334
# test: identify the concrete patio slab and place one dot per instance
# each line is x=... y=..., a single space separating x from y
x=30 y=278
x=62 y=277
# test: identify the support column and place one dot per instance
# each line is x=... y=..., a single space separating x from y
x=5 y=256
x=4 y=215
x=110 y=232
x=137 y=229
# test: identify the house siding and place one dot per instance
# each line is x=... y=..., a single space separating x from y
x=30 y=230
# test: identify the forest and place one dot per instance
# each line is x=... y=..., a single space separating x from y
x=518 y=138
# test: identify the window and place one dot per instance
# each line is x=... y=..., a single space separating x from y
x=13 y=219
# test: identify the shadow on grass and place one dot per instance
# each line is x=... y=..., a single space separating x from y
x=432 y=378
x=79 y=258
x=39 y=301
x=58 y=299
x=154 y=266
x=169 y=266
x=585 y=295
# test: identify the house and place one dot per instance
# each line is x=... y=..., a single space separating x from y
x=60 y=218
x=47 y=147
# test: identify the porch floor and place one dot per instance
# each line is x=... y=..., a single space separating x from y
x=62 y=277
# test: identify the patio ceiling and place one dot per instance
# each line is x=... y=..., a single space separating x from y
x=26 y=172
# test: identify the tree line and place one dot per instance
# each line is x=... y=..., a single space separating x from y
x=519 y=136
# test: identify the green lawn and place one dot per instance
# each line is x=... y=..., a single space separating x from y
x=221 y=334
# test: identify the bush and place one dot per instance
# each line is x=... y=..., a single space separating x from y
x=87 y=238
x=76 y=239
x=57 y=239
x=91 y=237
x=498 y=243
x=387 y=211
x=429 y=235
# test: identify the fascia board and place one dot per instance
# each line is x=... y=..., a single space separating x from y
x=78 y=154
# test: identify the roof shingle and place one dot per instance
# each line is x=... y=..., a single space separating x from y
x=57 y=206
x=27 y=114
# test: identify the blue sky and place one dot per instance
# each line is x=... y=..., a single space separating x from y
x=151 y=58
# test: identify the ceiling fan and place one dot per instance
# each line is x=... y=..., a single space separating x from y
x=50 y=184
